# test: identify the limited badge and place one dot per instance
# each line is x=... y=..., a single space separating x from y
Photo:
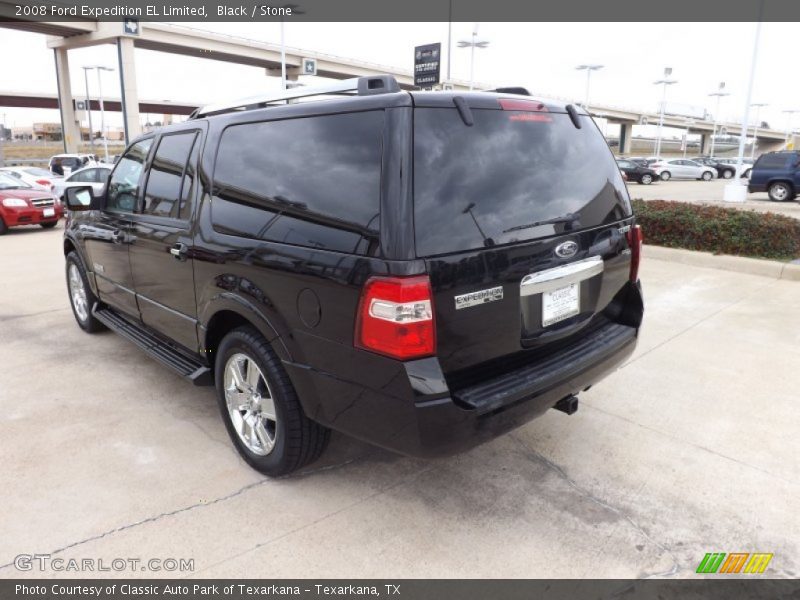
x=479 y=297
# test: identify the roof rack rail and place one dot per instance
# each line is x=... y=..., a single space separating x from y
x=511 y=90
x=362 y=86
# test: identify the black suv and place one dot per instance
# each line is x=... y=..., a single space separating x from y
x=420 y=270
x=778 y=174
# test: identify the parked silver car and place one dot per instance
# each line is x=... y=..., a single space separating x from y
x=95 y=176
x=682 y=168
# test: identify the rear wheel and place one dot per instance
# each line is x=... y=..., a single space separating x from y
x=780 y=192
x=707 y=176
x=646 y=179
x=665 y=176
x=727 y=173
x=260 y=408
x=48 y=225
x=80 y=295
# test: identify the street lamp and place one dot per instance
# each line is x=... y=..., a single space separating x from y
x=788 y=114
x=294 y=10
x=102 y=108
x=88 y=106
x=719 y=94
x=757 y=106
x=689 y=123
x=472 y=44
x=588 y=69
x=663 y=82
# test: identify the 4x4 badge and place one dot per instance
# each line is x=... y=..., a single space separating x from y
x=567 y=249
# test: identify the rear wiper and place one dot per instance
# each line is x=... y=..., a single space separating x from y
x=567 y=218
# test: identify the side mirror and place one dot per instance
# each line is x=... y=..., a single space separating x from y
x=79 y=198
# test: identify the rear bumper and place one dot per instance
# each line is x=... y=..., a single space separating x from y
x=756 y=187
x=415 y=413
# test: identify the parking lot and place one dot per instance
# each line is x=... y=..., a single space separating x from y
x=690 y=448
x=710 y=192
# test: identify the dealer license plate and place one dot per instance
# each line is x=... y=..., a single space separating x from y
x=49 y=212
x=560 y=304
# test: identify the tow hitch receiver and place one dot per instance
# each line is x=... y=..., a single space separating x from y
x=568 y=405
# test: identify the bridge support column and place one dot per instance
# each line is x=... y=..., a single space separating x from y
x=625 y=137
x=128 y=89
x=705 y=144
x=70 y=134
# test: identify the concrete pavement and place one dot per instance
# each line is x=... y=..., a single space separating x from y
x=691 y=447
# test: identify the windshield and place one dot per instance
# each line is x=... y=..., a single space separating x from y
x=8 y=182
x=512 y=176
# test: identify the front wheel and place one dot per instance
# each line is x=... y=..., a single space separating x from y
x=727 y=174
x=665 y=176
x=260 y=408
x=81 y=297
x=707 y=176
x=779 y=192
x=646 y=179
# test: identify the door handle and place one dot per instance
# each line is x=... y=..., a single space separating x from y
x=179 y=251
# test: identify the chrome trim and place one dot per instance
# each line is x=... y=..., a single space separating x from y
x=557 y=277
x=43 y=202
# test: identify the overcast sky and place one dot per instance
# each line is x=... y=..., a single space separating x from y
x=539 y=56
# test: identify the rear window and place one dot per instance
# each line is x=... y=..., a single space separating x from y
x=489 y=184
x=311 y=181
x=772 y=161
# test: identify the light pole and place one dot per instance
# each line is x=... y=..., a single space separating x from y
x=757 y=106
x=293 y=10
x=588 y=69
x=88 y=106
x=472 y=44
x=663 y=82
x=689 y=122
x=102 y=108
x=719 y=94
x=736 y=191
x=788 y=114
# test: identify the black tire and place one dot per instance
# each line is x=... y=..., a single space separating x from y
x=298 y=440
x=3 y=227
x=727 y=173
x=48 y=225
x=707 y=176
x=84 y=317
x=646 y=179
x=780 y=191
x=666 y=176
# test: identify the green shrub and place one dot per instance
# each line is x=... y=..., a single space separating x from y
x=717 y=229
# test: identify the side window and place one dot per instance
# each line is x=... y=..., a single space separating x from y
x=123 y=187
x=83 y=176
x=771 y=161
x=310 y=181
x=164 y=195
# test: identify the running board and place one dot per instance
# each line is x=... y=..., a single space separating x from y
x=186 y=366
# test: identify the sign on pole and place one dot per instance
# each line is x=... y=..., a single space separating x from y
x=309 y=66
x=427 y=62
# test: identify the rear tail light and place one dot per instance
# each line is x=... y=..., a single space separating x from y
x=395 y=317
x=44 y=182
x=635 y=240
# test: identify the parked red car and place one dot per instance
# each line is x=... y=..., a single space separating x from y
x=20 y=204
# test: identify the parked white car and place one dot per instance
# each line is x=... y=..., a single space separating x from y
x=683 y=168
x=94 y=176
x=36 y=177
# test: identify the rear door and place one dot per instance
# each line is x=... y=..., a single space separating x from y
x=520 y=219
x=161 y=253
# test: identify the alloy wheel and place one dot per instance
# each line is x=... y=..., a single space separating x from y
x=250 y=404
x=78 y=293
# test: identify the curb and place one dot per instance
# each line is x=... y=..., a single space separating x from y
x=741 y=264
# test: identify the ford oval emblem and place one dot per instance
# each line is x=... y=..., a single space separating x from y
x=567 y=249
